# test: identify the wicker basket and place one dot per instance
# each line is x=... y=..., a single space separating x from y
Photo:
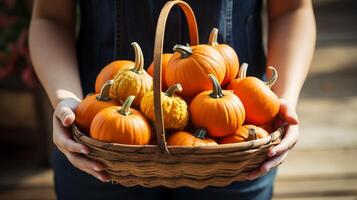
x=162 y=165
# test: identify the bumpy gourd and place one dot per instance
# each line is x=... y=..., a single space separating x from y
x=135 y=81
x=174 y=108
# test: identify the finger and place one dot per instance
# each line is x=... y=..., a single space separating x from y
x=267 y=166
x=288 y=113
x=288 y=142
x=62 y=139
x=64 y=111
x=275 y=161
x=254 y=174
x=91 y=167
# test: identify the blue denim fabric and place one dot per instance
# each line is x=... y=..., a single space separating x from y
x=71 y=183
x=107 y=29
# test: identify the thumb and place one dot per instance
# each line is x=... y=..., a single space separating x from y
x=288 y=113
x=64 y=111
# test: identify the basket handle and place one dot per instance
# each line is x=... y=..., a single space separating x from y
x=158 y=46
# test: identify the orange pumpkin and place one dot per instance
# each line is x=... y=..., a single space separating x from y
x=135 y=81
x=245 y=133
x=219 y=111
x=109 y=71
x=165 y=60
x=190 y=66
x=260 y=102
x=229 y=55
x=121 y=124
x=184 y=138
x=91 y=105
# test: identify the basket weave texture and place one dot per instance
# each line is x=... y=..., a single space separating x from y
x=168 y=166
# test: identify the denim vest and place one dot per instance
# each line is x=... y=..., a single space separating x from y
x=107 y=28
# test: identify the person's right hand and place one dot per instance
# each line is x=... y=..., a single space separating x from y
x=63 y=118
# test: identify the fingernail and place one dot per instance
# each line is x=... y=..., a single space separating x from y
x=84 y=151
x=97 y=168
x=272 y=153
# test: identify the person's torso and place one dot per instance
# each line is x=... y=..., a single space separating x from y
x=108 y=27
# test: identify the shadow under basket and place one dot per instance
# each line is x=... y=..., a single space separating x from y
x=172 y=167
x=195 y=167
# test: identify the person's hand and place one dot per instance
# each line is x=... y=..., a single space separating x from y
x=277 y=154
x=63 y=118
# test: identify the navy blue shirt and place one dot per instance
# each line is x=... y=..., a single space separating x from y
x=108 y=27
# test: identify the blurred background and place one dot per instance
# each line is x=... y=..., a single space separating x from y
x=323 y=166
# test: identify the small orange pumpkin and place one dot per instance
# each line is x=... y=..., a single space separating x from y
x=219 y=111
x=121 y=124
x=135 y=81
x=165 y=60
x=229 y=55
x=245 y=133
x=109 y=71
x=184 y=138
x=260 y=102
x=91 y=105
x=190 y=66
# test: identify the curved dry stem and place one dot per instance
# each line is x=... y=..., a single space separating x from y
x=139 y=58
x=252 y=135
x=217 y=91
x=105 y=91
x=185 y=51
x=243 y=71
x=173 y=89
x=125 y=109
x=212 y=40
x=201 y=133
x=273 y=78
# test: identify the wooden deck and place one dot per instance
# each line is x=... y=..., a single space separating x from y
x=323 y=166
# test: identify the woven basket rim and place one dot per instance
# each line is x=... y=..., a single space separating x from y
x=248 y=145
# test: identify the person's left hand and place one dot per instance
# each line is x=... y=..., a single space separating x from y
x=277 y=154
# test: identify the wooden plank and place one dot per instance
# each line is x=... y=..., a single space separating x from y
x=320 y=130
x=316 y=188
x=320 y=198
x=26 y=178
x=320 y=163
x=28 y=194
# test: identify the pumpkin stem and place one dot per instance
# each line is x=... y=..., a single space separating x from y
x=185 y=51
x=243 y=71
x=125 y=109
x=139 y=58
x=217 y=91
x=212 y=40
x=274 y=76
x=252 y=135
x=172 y=89
x=104 y=91
x=201 y=133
